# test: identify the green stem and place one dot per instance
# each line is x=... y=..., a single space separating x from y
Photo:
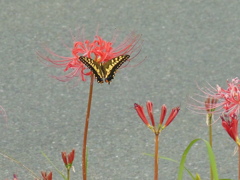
x=209 y=120
x=156 y=157
x=84 y=149
x=68 y=174
x=209 y=123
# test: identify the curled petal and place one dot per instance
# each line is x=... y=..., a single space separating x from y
x=149 y=105
x=141 y=114
x=231 y=126
x=172 y=115
x=64 y=158
x=163 y=114
x=71 y=156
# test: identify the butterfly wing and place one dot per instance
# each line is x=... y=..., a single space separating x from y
x=94 y=67
x=109 y=68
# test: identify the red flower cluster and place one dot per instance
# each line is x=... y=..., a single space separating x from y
x=98 y=49
x=156 y=129
x=230 y=97
x=223 y=101
x=68 y=158
x=46 y=176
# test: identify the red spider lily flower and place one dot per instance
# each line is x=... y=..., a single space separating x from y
x=68 y=159
x=98 y=49
x=223 y=100
x=106 y=51
x=46 y=176
x=231 y=126
x=156 y=129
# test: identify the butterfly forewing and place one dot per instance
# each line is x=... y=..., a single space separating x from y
x=112 y=65
x=94 y=67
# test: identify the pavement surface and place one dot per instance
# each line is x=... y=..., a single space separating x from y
x=185 y=43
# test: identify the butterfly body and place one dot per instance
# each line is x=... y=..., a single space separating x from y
x=104 y=70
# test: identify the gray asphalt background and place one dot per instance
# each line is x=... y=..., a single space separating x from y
x=184 y=41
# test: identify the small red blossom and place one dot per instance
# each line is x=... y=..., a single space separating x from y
x=223 y=101
x=46 y=176
x=210 y=104
x=68 y=158
x=15 y=177
x=98 y=49
x=156 y=129
x=230 y=124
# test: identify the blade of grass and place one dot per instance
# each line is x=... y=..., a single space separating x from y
x=210 y=155
x=54 y=166
x=21 y=164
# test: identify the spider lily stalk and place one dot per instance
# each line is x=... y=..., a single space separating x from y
x=230 y=124
x=98 y=50
x=156 y=129
x=209 y=104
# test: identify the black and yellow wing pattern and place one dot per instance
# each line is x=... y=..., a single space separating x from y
x=104 y=70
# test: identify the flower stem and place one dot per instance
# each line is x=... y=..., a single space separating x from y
x=210 y=116
x=209 y=123
x=68 y=174
x=84 y=149
x=156 y=157
x=238 y=162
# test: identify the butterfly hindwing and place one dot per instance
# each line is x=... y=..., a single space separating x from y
x=111 y=67
x=94 y=67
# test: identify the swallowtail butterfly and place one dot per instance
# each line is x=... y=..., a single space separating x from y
x=104 y=70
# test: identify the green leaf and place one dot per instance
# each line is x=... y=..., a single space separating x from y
x=210 y=155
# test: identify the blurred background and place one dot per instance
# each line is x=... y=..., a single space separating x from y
x=185 y=44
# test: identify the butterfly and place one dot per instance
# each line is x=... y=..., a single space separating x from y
x=104 y=70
